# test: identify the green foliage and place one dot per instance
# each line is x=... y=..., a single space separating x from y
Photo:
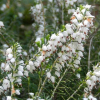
x=19 y=29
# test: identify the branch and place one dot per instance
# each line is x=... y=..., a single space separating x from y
x=46 y=79
x=58 y=83
x=89 y=53
x=75 y=92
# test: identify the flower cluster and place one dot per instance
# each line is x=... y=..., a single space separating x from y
x=93 y=78
x=69 y=4
x=68 y=45
x=90 y=98
x=38 y=13
x=13 y=69
x=63 y=50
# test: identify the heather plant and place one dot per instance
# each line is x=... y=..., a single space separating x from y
x=43 y=50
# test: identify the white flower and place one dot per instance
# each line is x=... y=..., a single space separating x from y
x=94 y=99
x=52 y=79
x=33 y=68
x=71 y=11
x=49 y=48
x=10 y=75
x=3 y=7
x=21 y=62
x=37 y=63
x=7 y=67
x=20 y=73
x=31 y=94
x=75 y=21
x=19 y=47
x=31 y=63
x=80 y=54
x=57 y=73
x=41 y=27
x=88 y=74
x=76 y=66
x=40 y=58
x=94 y=78
x=9 y=56
x=78 y=75
x=59 y=54
x=26 y=73
x=20 y=68
x=64 y=57
x=29 y=99
x=79 y=16
x=90 y=97
x=99 y=53
x=20 y=14
x=8 y=51
x=38 y=39
x=89 y=82
x=85 y=98
x=5 y=87
x=58 y=67
x=48 y=74
x=25 y=53
x=6 y=84
x=19 y=80
x=83 y=11
x=97 y=74
x=87 y=6
x=28 y=67
x=12 y=60
x=77 y=62
x=19 y=51
x=17 y=92
x=60 y=34
x=38 y=6
x=74 y=35
x=5 y=46
x=2 y=65
x=65 y=33
x=8 y=97
x=67 y=49
x=86 y=23
x=53 y=36
x=1 y=24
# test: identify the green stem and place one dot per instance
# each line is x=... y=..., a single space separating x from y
x=46 y=78
x=42 y=86
x=40 y=81
x=28 y=84
x=58 y=84
x=75 y=92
